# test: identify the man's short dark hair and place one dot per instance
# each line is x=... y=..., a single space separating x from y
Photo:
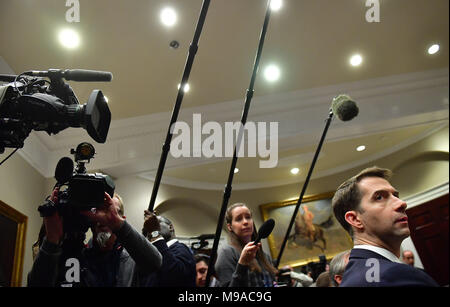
x=348 y=195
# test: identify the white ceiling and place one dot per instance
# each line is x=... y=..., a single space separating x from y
x=401 y=91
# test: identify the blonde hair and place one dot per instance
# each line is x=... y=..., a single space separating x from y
x=122 y=209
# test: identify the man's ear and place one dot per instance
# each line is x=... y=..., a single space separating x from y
x=353 y=219
x=338 y=279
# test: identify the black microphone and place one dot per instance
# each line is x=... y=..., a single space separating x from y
x=265 y=230
x=87 y=75
x=81 y=75
x=64 y=170
x=344 y=107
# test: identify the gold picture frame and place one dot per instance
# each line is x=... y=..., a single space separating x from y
x=315 y=231
x=13 y=226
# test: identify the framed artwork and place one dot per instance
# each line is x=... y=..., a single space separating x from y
x=315 y=232
x=13 y=227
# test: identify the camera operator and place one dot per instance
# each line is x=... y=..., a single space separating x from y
x=111 y=259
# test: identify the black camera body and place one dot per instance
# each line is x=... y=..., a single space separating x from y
x=84 y=191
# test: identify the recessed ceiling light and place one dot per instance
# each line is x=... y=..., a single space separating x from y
x=187 y=87
x=361 y=148
x=275 y=5
x=236 y=170
x=272 y=73
x=433 y=49
x=295 y=171
x=168 y=16
x=69 y=38
x=356 y=60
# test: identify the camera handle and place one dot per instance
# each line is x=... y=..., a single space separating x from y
x=61 y=89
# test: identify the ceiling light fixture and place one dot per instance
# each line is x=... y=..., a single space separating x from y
x=433 y=49
x=272 y=73
x=236 y=170
x=295 y=171
x=275 y=5
x=361 y=148
x=356 y=60
x=168 y=16
x=69 y=38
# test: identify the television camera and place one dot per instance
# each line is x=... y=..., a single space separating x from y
x=31 y=102
x=84 y=191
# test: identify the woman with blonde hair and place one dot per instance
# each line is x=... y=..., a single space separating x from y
x=241 y=263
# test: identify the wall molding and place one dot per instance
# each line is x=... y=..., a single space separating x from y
x=423 y=197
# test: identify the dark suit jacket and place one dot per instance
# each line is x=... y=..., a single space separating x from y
x=178 y=268
x=369 y=269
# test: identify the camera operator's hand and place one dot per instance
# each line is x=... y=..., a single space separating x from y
x=53 y=224
x=151 y=222
x=249 y=253
x=108 y=215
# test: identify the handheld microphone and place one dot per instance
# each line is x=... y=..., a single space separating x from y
x=80 y=75
x=265 y=230
x=64 y=170
x=344 y=107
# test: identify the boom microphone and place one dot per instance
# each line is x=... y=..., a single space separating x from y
x=344 y=107
x=265 y=230
x=81 y=75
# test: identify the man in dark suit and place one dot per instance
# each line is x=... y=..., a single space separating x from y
x=370 y=209
x=178 y=264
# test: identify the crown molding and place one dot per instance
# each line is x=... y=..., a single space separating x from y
x=423 y=197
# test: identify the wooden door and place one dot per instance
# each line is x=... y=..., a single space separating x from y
x=429 y=232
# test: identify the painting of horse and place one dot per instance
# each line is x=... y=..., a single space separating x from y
x=315 y=230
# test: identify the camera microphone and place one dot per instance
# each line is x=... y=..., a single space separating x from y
x=80 y=75
x=64 y=170
x=87 y=75
x=265 y=230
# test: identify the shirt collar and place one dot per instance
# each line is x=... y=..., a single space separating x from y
x=381 y=251
x=171 y=242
